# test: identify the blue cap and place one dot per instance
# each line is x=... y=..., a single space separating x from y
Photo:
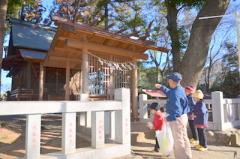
x=153 y=105
x=175 y=77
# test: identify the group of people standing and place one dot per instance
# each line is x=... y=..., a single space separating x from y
x=183 y=106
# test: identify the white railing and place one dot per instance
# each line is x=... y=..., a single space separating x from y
x=34 y=109
x=223 y=113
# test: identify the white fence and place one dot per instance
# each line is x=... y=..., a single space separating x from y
x=223 y=113
x=99 y=150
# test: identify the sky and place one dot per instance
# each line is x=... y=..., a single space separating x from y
x=227 y=26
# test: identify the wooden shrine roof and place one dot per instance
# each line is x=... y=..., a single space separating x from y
x=73 y=37
x=30 y=42
x=30 y=36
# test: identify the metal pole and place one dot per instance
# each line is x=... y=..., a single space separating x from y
x=237 y=18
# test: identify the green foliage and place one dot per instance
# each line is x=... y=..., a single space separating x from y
x=231 y=85
x=135 y=23
x=229 y=82
x=147 y=78
x=14 y=7
x=128 y=15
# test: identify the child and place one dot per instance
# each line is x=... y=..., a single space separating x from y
x=200 y=120
x=189 y=90
x=158 y=120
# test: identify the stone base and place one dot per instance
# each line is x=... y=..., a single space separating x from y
x=224 y=138
x=141 y=134
x=109 y=151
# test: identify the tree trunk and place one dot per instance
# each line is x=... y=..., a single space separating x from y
x=3 y=12
x=173 y=32
x=201 y=34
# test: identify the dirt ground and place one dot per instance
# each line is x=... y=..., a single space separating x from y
x=12 y=136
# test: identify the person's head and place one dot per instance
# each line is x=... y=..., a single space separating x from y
x=189 y=90
x=153 y=107
x=198 y=95
x=162 y=109
x=174 y=79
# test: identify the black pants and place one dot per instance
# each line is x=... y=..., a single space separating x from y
x=202 y=137
x=156 y=147
x=193 y=129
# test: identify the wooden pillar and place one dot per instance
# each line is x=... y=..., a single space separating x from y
x=41 y=82
x=134 y=94
x=67 y=91
x=29 y=74
x=84 y=70
x=111 y=86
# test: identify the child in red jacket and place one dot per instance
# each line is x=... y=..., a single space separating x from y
x=158 y=120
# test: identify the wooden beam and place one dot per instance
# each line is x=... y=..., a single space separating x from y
x=62 y=64
x=148 y=45
x=29 y=75
x=106 y=49
x=67 y=49
x=55 y=39
x=41 y=81
x=67 y=91
x=71 y=60
x=134 y=92
x=85 y=71
x=67 y=52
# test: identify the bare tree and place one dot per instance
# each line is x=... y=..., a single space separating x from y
x=213 y=57
x=192 y=62
x=159 y=62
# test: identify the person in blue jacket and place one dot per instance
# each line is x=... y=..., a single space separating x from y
x=177 y=108
x=189 y=90
x=200 y=120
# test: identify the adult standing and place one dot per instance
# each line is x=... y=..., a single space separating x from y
x=177 y=109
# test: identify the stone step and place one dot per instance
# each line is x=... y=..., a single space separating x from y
x=141 y=134
x=132 y=156
x=147 y=152
x=214 y=152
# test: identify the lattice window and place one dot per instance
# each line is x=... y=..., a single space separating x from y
x=103 y=78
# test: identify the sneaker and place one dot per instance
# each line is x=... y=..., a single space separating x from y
x=197 y=146
x=201 y=148
x=156 y=150
x=193 y=142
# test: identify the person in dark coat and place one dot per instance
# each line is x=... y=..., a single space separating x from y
x=200 y=120
x=189 y=90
